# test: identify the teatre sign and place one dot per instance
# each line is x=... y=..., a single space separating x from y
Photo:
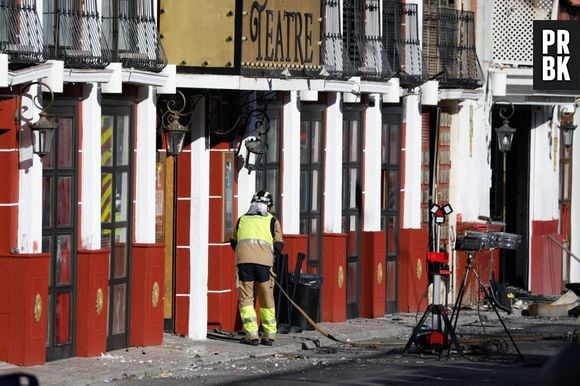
x=280 y=33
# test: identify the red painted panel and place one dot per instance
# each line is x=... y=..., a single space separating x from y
x=216 y=174
x=546 y=259
x=412 y=269
x=373 y=274
x=184 y=175
x=91 y=323
x=222 y=295
x=7 y=121
x=216 y=221
x=294 y=244
x=333 y=278
x=147 y=286
x=8 y=235
x=183 y=222
x=24 y=319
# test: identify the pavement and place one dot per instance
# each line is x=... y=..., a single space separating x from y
x=181 y=353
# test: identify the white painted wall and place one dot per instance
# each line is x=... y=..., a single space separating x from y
x=372 y=166
x=290 y=209
x=411 y=153
x=145 y=168
x=199 y=225
x=544 y=166
x=333 y=166
x=575 y=210
x=90 y=145
x=470 y=179
x=30 y=182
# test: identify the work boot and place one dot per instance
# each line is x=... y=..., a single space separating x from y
x=267 y=341
x=250 y=341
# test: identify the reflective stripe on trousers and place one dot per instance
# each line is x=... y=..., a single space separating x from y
x=249 y=323
x=268 y=319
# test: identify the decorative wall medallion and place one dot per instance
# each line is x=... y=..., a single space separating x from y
x=99 y=303
x=155 y=295
x=380 y=273
x=419 y=269
x=37 y=307
x=340 y=276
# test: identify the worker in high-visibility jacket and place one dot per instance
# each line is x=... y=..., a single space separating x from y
x=256 y=238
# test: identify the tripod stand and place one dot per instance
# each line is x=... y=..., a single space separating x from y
x=455 y=314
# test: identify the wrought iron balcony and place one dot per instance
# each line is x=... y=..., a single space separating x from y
x=363 y=41
x=401 y=43
x=75 y=35
x=135 y=39
x=449 y=48
x=357 y=48
x=332 y=53
x=21 y=32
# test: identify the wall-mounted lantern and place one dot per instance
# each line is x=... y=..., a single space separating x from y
x=174 y=130
x=258 y=148
x=505 y=133
x=43 y=129
x=567 y=125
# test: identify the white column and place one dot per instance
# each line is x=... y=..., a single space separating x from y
x=90 y=144
x=29 y=182
x=412 y=155
x=544 y=168
x=146 y=151
x=470 y=178
x=575 y=210
x=372 y=166
x=199 y=225
x=333 y=166
x=291 y=166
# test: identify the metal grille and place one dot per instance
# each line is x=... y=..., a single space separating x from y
x=134 y=38
x=21 y=32
x=401 y=41
x=513 y=29
x=74 y=33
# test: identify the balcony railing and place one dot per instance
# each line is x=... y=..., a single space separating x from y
x=363 y=40
x=332 y=53
x=401 y=42
x=21 y=32
x=135 y=38
x=75 y=35
x=449 y=48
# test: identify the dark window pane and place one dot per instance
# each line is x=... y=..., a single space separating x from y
x=63 y=319
x=316 y=139
x=272 y=141
x=65 y=202
x=120 y=254
x=119 y=306
x=304 y=189
x=65 y=148
x=392 y=196
x=313 y=239
x=63 y=259
x=391 y=236
x=391 y=282
x=121 y=196
x=354 y=133
x=47 y=200
x=394 y=144
x=351 y=283
x=107 y=140
x=304 y=142
x=122 y=140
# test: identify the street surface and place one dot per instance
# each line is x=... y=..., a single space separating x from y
x=380 y=363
